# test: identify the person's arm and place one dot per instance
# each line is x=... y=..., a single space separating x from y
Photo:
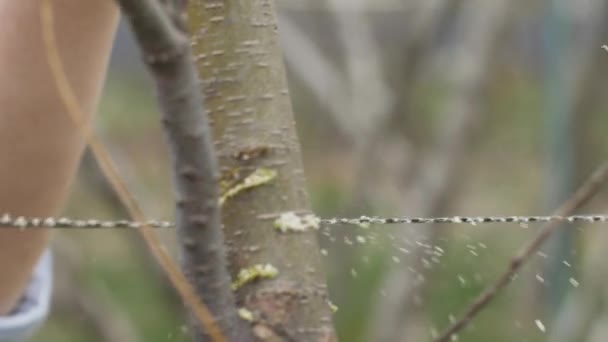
x=40 y=146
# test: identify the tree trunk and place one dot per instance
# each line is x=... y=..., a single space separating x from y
x=235 y=44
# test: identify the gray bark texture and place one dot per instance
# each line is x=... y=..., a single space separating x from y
x=160 y=32
x=235 y=44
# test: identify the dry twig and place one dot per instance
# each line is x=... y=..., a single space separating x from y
x=578 y=199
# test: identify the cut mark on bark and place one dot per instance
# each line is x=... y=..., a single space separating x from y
x=253 y=273
x=259 y=177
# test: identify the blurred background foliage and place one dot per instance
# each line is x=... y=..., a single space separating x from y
x=411 y=107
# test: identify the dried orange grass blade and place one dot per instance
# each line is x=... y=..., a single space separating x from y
x=179 y=281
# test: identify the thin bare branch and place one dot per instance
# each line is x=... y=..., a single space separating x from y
x=165 y=45
x=578 y=199
x=66 y=94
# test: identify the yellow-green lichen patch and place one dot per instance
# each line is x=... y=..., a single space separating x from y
x=245 y=314
x=229 y=178
x=289 y=221
x=259 y=177
x=254 y=272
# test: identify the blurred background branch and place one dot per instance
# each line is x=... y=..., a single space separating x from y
x=463 y=68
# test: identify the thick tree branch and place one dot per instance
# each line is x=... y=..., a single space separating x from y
x=578 y=199
x=240 y=63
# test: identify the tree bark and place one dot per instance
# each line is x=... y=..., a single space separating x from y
x=235 y=43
